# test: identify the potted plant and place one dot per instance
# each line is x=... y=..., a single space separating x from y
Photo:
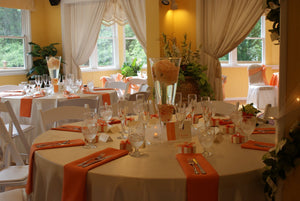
x=192 y=75
x=39 y=54
x=130 y=69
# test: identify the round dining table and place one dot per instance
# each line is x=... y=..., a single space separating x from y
x=155 y=176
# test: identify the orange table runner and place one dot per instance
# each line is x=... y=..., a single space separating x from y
x=48 y=145
x=264 y=131
x=74 y=184
x=26 y=104
x=70 y=128
x=202 y=186
x=105 y=96
x=263 y=146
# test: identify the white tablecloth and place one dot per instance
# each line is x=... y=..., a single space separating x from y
x=46 y=103
x=157 y=176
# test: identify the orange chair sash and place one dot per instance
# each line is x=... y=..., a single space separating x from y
x=256 y=70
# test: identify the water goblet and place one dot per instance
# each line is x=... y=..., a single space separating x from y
x=106 y=112
x=122 y=113
x=247 y=125
x=236 y=118
x=136 y=137
x=38 y=81
x=90 y=129
x=206 y=138
x=192 y=102
x=206 y=107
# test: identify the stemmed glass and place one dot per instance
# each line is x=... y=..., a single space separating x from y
x=236 y=118
x=248 y=124
x=180 y=109
x=139 y=107
x=192 y=102
x=122 y=112
x=106 y=112
x=38 y=81
x=90 y=129
x=206 y=107
x=136 y=137
x=206 y=138
x=45 y=80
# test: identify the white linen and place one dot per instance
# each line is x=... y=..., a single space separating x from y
x=157 y=176
x=224 y=25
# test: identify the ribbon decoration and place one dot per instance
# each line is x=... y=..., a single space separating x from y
x=187 y=148
x=256 y=70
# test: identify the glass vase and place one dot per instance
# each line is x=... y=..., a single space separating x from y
x=53 y=63
x=165 y=73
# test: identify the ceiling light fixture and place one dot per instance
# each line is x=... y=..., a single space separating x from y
x=165 y=2
x=174 y=5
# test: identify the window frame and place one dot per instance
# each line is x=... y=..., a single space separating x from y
x=26 y=32
x=232 y=59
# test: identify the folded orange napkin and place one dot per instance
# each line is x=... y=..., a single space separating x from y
x=49 y=145
x=263 y=146
x=225 y=121
x=71 y=96
x=74 y=184
x=26 y=103
x=105 y=96
x=102 y=89
x=112 y=121
x=70 y=128
x=204 y=186
x=264 y=131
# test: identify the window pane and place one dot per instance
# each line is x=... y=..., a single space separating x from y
x=105 y=52
x=224 y=58
x=128 y=31
x=256 y=31
x=135 y=50
x=250 y=50
x=10 y=22
x=11 y=52
x=106 y=31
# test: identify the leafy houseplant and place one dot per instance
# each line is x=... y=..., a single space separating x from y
x=281 y=160
x=190 y=64
x=273 y=15
x=39 y=54
x=130 y=69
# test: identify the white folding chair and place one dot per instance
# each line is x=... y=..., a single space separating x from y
x=122 y=86
x=54 y=117
x=93 y=103
x=259 y=93
x=21 y=133
x=11 y=175
x=14 y=195
x=136 y=81
x=271 y=112
x=132 y=97
x=224 y=108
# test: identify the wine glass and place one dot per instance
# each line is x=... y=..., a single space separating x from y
x=122 y=113
x=106 y=113
x=38 y=81
x=45 y=79
x=139 y=106
x=236 y=118
x=192 y=102
x=90 y=129
x=136 y=137
x=206 y=138
x=248 y=124
x=206 y=107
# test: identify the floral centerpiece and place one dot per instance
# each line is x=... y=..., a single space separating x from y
x=281 y=161
x=249 y=110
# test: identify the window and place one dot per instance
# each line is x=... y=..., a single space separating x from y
x=14 y=38
x=107 y=51
x=251 y=50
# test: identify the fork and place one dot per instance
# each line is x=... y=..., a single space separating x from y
x=191 y=162
x=96 y=158
x=53 y=144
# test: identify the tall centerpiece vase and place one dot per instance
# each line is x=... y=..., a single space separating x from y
x=165 y=73
x=53 y=63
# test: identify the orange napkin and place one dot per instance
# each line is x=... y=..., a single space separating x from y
x=102 y=89
x=26 y=103
x=105 y=96
x=71 y=96
x=74 y=184
x=204 y=186
x=264 y=131
x=263 y=146
x=112 y=121
x=34 y=148
x=225 y=121
x=70 y=128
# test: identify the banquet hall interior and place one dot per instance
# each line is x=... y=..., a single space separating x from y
x=74 y=29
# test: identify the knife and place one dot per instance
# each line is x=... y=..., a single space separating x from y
x=200 y=168
x=96 y=161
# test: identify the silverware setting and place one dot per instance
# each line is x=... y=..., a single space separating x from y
x=261 y=145
x=192 y=163
x=53 y=144
x=199 y=166
x=90 y=159
x=95 y=161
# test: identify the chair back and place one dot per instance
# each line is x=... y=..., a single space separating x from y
x=145 y=88
x=271 y=112
x=256 y=74
x=122 y=86
x=93 y=104
x=9 y=148
x=13 y=121
x=132 y=97
x=53 y=117
x=224 y=108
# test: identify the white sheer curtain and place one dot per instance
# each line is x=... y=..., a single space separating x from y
x=135 y=11
x=81 y=23
x=223 y=26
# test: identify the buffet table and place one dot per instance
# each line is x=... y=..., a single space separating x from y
x=46 y=103
x=156 y=176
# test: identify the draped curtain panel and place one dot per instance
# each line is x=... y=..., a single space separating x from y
x=81 y=23
x=19 y=4
x=223 y=26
